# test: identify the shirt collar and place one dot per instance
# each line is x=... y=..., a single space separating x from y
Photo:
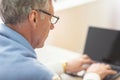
x=8 y=32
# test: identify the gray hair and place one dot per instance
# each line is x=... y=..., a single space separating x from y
x=16 y=11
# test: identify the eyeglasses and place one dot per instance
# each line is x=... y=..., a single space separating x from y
x=54 y=19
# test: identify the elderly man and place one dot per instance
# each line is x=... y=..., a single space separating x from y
x=26 y=26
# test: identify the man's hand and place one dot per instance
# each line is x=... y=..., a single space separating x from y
x=101 y=69
x=78 y=64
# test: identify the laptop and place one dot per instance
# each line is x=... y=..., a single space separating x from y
x=103 y=45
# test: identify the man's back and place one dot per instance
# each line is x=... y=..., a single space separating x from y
x=18 y=59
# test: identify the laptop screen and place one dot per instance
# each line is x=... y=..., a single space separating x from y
x=103 y=45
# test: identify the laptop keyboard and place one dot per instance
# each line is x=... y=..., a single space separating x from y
x=113 y=77
x=110 y=77
x=114 y=67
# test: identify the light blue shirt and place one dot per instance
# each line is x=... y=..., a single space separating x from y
x=18 y=58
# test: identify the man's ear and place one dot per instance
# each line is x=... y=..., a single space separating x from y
x=33 y=18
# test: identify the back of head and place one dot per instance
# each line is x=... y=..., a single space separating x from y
x=17 y=11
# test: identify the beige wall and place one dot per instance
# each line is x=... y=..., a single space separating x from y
x=70 y=32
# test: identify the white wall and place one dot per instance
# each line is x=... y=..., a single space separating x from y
x=70 y=32
x=115 y=15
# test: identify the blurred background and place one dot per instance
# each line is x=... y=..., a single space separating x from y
x=76 y=16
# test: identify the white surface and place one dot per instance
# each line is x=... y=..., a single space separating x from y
x=50 y=54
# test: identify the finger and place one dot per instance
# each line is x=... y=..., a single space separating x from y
x=85 y=66
x=111 y=72
x=87 y=61
x=108 y=66
x=85 y=56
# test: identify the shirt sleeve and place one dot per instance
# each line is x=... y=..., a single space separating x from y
x=58 y=69
x=91 y=76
